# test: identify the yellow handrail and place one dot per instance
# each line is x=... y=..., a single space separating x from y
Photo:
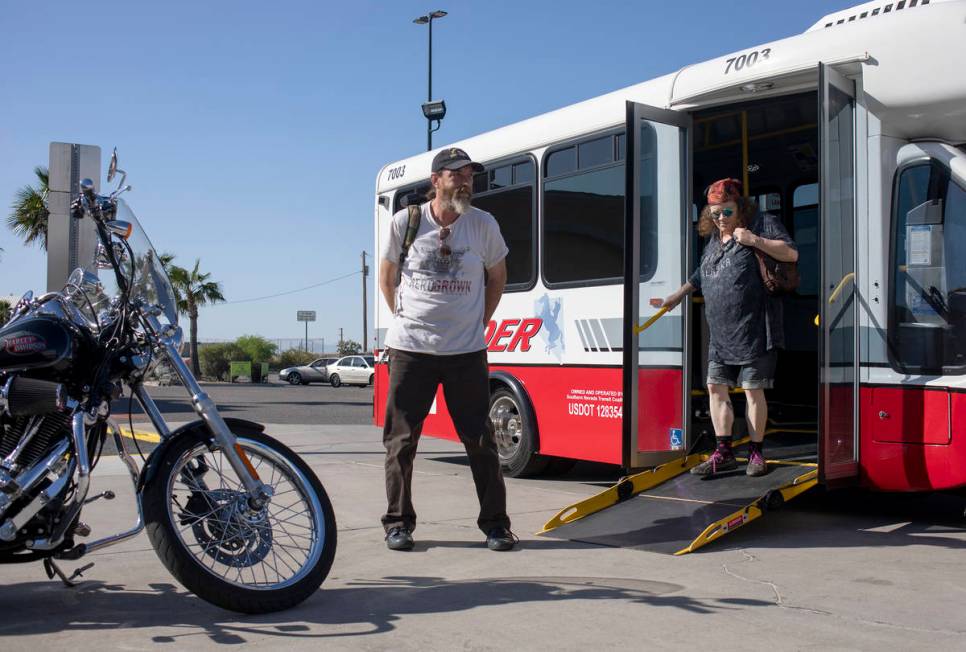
x=836 y=292
x=640 y=328
x=838 y=288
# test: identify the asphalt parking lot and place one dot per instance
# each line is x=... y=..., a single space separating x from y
x=832 y=571
x=272 y=402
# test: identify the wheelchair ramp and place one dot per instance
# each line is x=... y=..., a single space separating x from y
x=676 y=512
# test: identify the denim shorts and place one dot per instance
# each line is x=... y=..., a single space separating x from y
x=758 y=374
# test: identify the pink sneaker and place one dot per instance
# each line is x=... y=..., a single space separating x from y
x=756 y=463
x=719 y=462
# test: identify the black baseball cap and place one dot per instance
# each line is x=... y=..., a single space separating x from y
x=453 y=158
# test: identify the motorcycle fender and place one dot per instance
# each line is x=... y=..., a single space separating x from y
x=198 y=431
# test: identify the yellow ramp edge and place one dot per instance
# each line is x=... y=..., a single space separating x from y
x=771 y=500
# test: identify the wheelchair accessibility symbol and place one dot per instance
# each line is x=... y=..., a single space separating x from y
x=677 y=439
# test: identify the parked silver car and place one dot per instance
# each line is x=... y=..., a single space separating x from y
x=353 y=370
x=315 y=372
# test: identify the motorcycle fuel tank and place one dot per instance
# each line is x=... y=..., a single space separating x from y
x=34 y=343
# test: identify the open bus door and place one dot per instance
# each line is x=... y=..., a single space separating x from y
x=655 y=373
x=838 y=314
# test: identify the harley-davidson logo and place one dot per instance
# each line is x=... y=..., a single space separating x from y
x=17 y=344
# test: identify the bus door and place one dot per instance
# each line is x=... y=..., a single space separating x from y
x=838 y=312
x=656 y=244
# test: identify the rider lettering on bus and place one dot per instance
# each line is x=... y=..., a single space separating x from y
x=517 y=331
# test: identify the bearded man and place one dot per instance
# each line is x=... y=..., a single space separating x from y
x=449 y=285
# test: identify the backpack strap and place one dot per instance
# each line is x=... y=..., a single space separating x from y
x=412 y=227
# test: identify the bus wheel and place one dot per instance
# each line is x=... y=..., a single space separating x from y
x=516 y=434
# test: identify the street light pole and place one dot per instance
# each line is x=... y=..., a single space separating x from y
x=429 y=91
x=428 y=20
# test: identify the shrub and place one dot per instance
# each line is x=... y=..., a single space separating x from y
x=258 y=348
x=215 y=359
x=292 y=358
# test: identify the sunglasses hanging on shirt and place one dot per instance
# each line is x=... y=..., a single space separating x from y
x=444 y=249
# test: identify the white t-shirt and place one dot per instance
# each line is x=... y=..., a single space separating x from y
x=440 y=299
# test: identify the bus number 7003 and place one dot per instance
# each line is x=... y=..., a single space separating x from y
x=746 y=60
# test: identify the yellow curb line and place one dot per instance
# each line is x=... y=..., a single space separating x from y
x=141 y=435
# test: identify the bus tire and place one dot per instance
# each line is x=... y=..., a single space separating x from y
x=516 y=434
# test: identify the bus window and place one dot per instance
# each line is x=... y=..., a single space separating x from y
x=416 y=193
x=583 y=215
x=927 y=311
x=506 y=191
x=583 y=221
x=805 y=234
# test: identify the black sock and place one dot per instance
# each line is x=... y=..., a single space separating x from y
x=754 y=446
x=724 y=444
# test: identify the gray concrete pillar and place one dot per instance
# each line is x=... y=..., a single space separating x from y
x=70 y=243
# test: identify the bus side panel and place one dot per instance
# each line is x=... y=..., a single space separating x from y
x=578 y=410
x=659 y=410
x=913 y=439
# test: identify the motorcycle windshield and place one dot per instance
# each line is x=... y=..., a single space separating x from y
x=149 y=280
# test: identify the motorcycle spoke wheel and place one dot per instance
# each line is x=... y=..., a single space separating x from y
x=270 y=548
x=221 y=548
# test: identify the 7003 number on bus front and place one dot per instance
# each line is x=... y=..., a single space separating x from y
x=746 y=60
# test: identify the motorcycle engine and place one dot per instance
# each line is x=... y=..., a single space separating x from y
x=34 y=436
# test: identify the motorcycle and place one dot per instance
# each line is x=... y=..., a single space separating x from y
x=237 y=517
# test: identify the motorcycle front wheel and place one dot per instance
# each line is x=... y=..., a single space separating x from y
x=206 y=534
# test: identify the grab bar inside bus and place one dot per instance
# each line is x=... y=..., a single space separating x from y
x=640 y=328
x=837 y=291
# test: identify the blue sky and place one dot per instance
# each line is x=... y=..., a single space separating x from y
x=253 y=132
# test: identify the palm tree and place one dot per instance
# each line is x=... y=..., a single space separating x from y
x=193 y=290
x=28 y=215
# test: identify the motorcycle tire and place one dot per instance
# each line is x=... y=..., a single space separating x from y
x=220 y=533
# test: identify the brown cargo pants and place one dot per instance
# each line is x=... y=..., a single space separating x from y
x=413 y=379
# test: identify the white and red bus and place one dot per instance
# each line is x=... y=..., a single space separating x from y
x=853 y=134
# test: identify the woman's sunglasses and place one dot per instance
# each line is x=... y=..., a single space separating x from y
x=726 y=212
x=444 y=249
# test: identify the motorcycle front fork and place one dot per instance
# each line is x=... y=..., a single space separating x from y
x=224 y=440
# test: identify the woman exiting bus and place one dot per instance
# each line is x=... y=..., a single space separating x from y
x=745 y=323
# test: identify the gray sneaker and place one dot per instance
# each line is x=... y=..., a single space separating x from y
x=501 y=539
x=399 y=538
x=719 y=462
x=756 y=463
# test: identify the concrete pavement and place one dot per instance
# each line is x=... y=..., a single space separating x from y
x=879 y=577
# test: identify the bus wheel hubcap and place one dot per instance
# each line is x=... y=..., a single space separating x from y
x=507 y=426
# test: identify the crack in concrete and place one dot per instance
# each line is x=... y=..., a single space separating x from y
x=780 y=602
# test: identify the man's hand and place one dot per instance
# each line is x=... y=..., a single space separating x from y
x=496 y=281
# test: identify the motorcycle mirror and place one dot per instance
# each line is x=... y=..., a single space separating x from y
x=112 y=168
x=87 y=187
x=84 y=280
x=120 y=228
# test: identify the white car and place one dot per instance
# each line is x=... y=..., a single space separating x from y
x=352 y=370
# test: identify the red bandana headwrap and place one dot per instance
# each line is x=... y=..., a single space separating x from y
x=724 y=190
